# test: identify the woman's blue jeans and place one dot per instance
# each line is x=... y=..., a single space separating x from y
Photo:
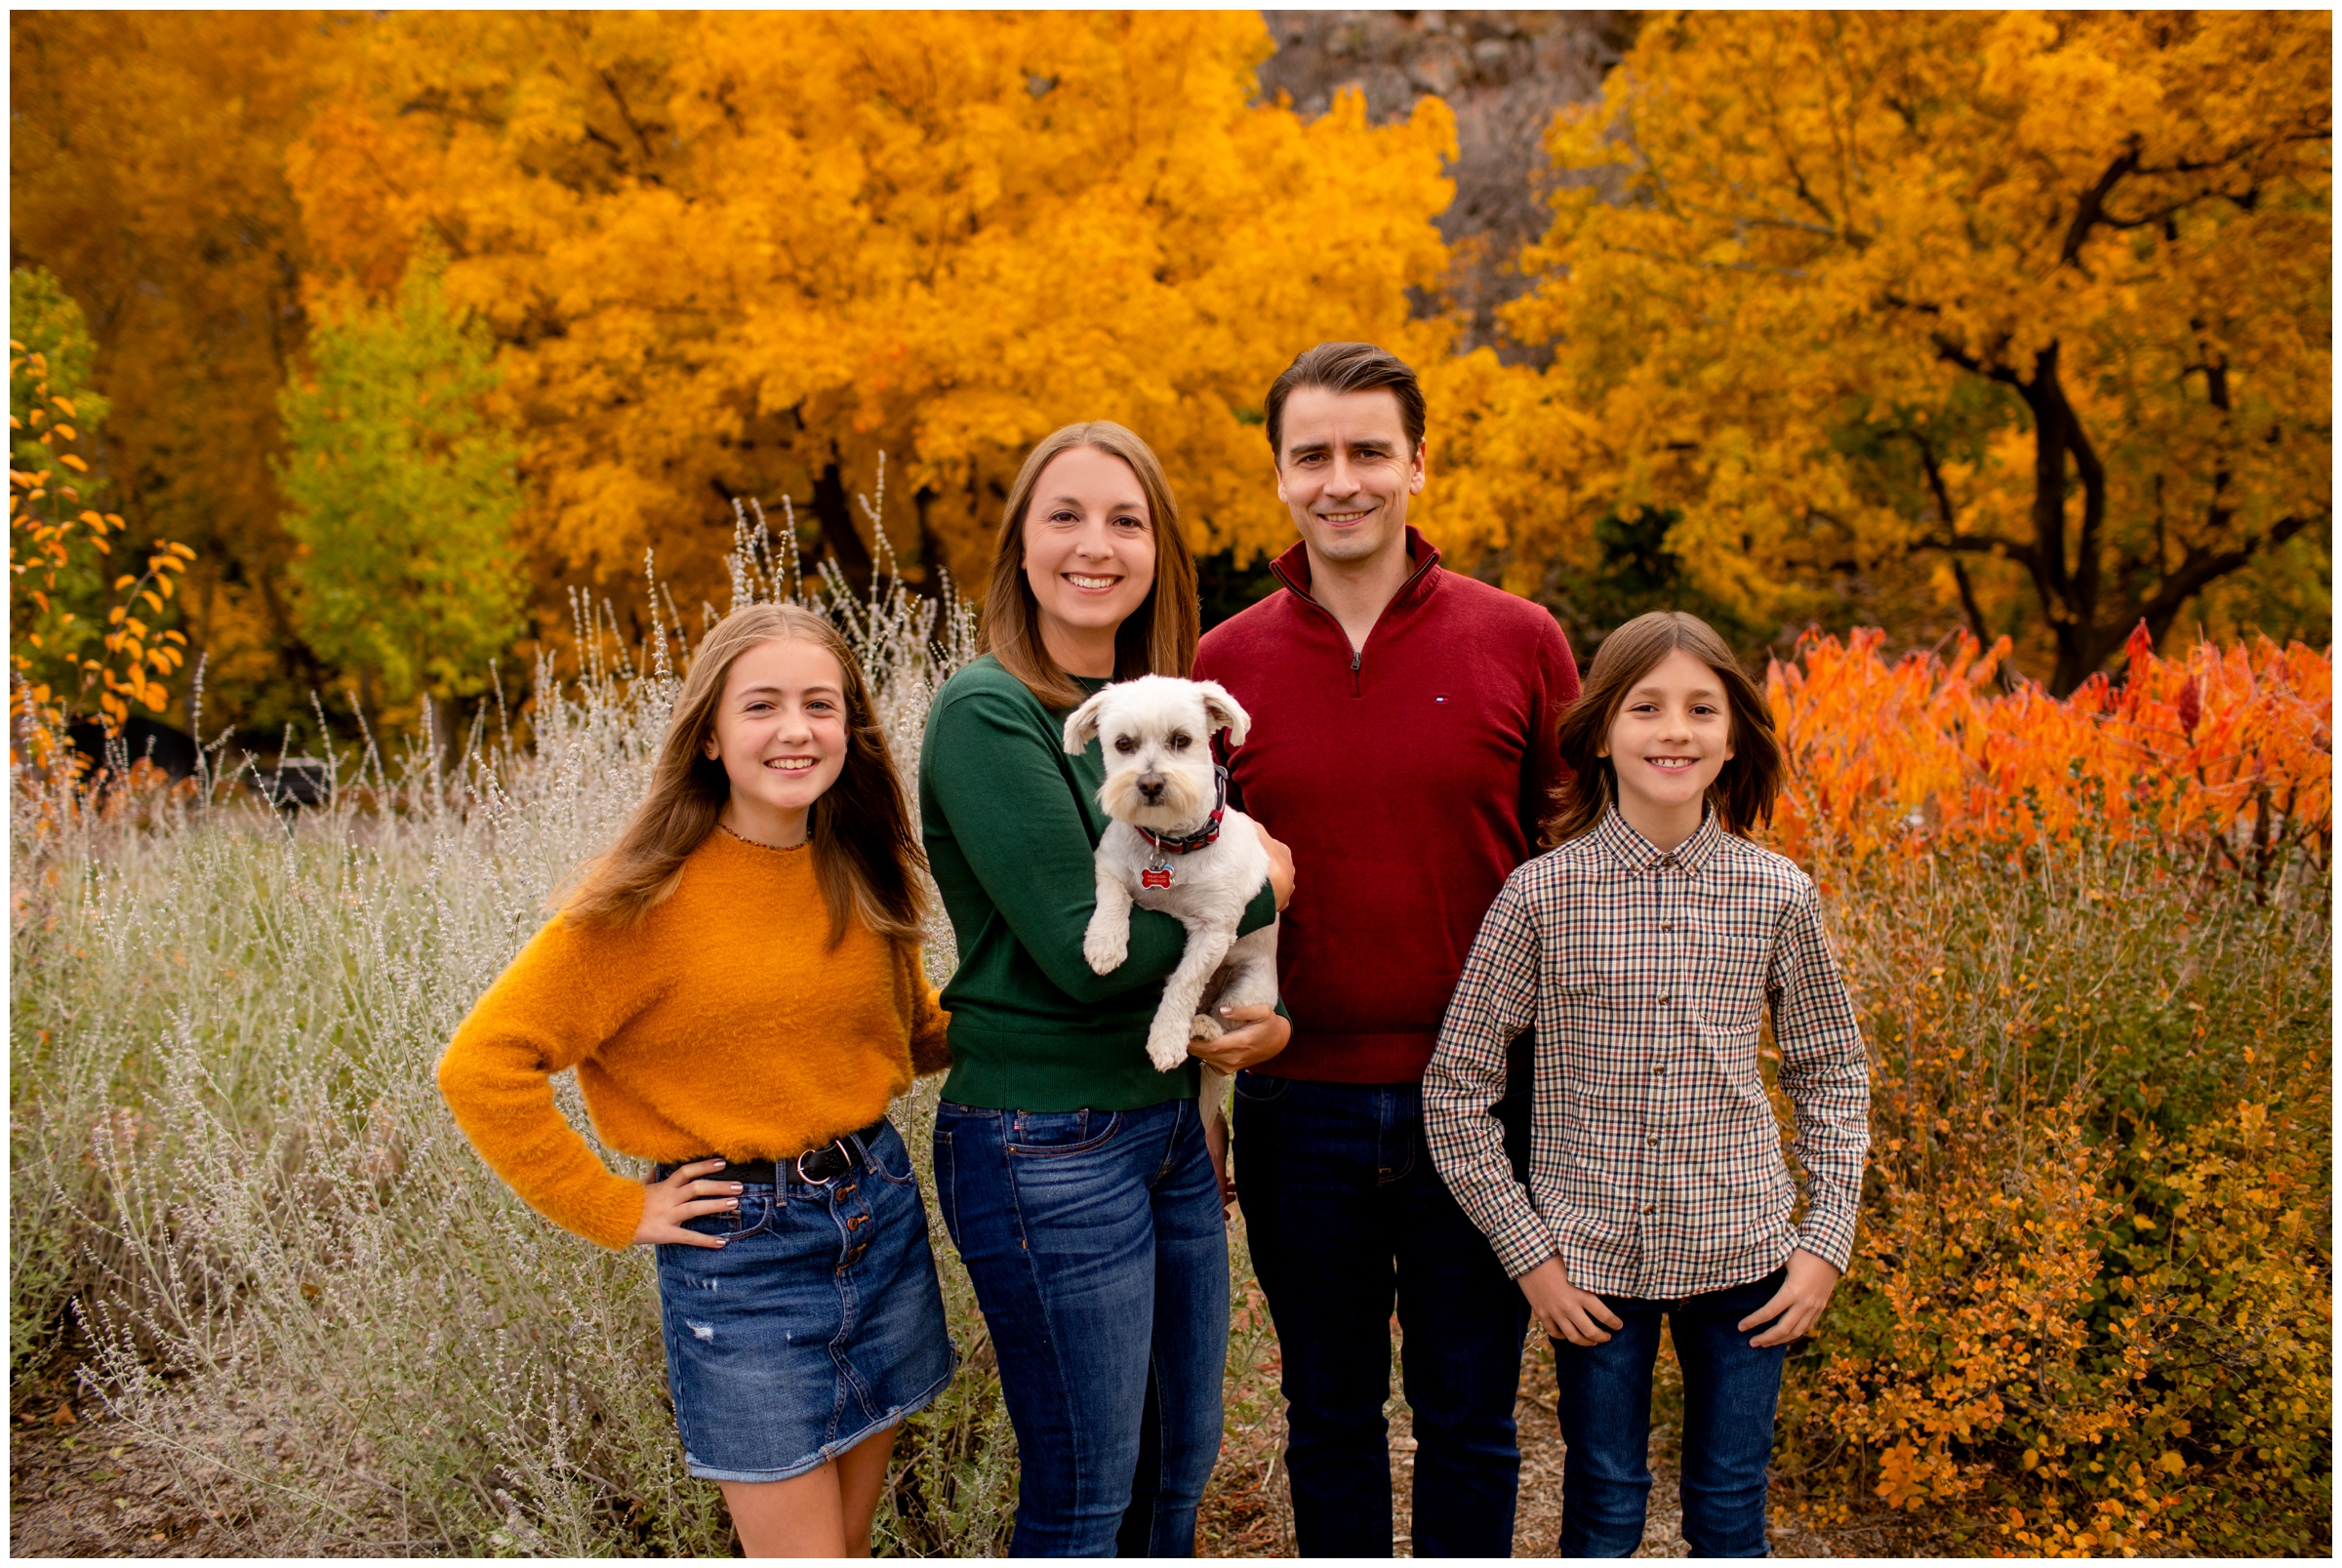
x=1099 y=1257
x=1729 y=1391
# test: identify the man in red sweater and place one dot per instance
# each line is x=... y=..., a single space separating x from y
x=1402 y=746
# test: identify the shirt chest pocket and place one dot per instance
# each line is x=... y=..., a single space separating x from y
x=1730 y=984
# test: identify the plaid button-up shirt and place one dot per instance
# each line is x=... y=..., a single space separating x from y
x=1655 y=1162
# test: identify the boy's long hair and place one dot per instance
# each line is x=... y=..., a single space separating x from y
x=1157 y=638
x=865 y=852
x=1743 y=794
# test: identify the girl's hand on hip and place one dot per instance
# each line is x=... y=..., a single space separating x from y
x=1798 y=1304
x=1564 y=1310
x=1281 y=866
x=683 y=1196
x=1254 y=1035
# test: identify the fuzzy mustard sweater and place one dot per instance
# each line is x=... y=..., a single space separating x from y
x=723 y=1024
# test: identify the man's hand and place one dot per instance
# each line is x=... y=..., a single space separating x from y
x=1798 y=1304
x=683 y=1196
x=1254 y=1035
x=1564 y=1310
x=1281 y=866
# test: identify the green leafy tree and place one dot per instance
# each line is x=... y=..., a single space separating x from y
x=404 y=491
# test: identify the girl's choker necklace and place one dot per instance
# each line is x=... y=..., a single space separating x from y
x=777 y=849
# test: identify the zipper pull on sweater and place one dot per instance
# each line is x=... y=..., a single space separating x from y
x=1355 y=654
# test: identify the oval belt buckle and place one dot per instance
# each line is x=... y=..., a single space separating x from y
x=805 y=1177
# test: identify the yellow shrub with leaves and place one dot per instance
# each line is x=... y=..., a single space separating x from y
x=55 y=546
x=2090 y=1306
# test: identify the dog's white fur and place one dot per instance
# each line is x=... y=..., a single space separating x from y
x=1156 y=733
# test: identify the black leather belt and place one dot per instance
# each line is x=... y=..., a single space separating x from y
x=817 y=1167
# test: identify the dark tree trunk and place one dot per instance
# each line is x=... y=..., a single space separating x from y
x=932 y=564
x=831 y=511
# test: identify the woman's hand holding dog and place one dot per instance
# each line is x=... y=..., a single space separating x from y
x=1564 y=1310
x=1281 y=866
x=1254 y=1035
x=683 y=1196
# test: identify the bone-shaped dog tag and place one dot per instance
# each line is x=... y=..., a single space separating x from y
x=1151 y=877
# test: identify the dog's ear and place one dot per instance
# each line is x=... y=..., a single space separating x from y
x=1222 y=711
x=1082 y=725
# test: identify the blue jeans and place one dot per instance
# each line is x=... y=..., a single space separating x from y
x=1099 y=1257
x=1344 y=1213
x=1729 y=1391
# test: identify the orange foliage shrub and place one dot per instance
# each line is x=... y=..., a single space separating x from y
x=1923 y=751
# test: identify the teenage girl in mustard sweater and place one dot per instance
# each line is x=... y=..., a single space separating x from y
x=737 y=981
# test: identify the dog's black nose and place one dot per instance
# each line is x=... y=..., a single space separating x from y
x=1151 y=785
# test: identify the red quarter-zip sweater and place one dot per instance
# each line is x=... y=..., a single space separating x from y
x=1408 y=779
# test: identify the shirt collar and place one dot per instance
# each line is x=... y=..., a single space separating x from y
x=1292 y=569
x=1642 y=857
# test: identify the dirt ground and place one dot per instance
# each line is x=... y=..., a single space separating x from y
x=75 y=1491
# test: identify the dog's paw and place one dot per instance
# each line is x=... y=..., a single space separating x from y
x=1166 y=1048
x=1205 y=1026
x=1103 y=948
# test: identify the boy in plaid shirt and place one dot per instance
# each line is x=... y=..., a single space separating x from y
x=1642 y=951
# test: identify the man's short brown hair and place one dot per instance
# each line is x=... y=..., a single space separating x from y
x=1348 y=368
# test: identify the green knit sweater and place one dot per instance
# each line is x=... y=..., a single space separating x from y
x=1011 y=821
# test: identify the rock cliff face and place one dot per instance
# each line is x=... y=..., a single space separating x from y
x=1502 y=72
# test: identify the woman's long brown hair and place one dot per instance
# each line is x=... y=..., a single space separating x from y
x=866 y=853
x=1157 y=638
x=1742 y=796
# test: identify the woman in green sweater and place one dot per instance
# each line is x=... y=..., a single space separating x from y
x=1073 y=1176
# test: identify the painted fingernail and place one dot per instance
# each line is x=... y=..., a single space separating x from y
x=738 y=1187
x=732 y=1203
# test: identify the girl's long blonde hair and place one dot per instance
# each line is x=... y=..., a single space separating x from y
x=1157 y=638
x=865 y=852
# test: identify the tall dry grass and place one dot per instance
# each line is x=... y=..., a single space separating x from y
x=233 y=1175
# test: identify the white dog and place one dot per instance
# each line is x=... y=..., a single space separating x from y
x=1175 y=846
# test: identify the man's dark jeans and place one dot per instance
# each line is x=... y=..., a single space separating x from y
x=1729 y=1391
x=1344 y=1212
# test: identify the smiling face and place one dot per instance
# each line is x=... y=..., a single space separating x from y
x=1089 y=555
x=781 y=734
x=1346 y=471
x=1668 y=743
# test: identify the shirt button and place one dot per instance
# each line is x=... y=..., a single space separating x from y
x=1648 y=1207
x=1667 y=925
x=1658 y=1069
x=1662 y=999
x=1653 y=1141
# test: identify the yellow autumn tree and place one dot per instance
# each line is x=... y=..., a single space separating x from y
x=2024 y=317
x=146 y=173
x=740 y=256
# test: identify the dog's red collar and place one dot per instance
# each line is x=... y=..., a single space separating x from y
x=1208 y=834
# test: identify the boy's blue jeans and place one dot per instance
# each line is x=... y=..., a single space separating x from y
x=1729 y=1391
x=1345 y=1215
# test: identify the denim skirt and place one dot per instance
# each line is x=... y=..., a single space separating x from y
x=817 y=1323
